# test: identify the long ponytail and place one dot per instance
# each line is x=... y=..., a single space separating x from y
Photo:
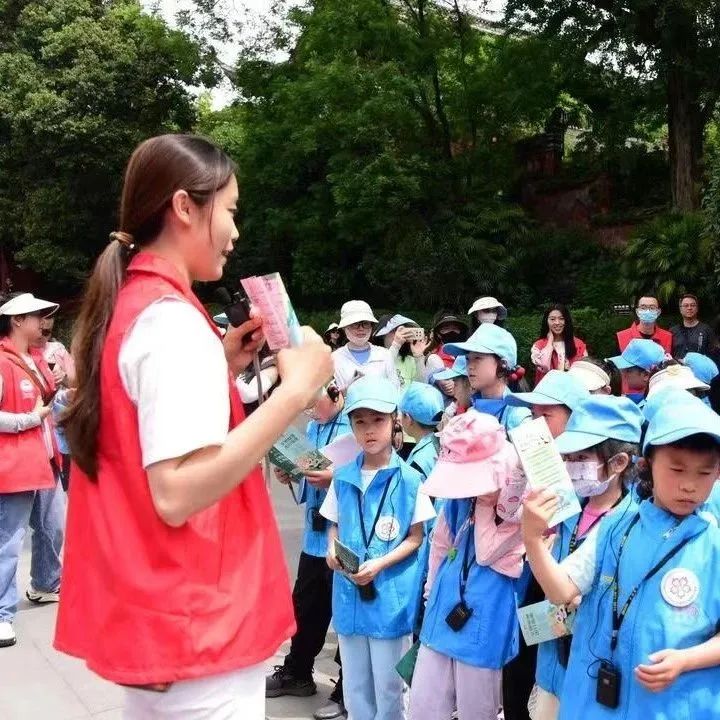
x=157 y=169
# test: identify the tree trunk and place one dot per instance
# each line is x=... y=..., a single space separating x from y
x=685 y=136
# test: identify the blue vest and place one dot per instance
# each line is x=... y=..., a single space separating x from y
x=424 y=455
x=391 y=614
x=651 y=623
x=550 y=673
x=509 y=416
x=489 y=639
x=712 y=505
x=315 y=543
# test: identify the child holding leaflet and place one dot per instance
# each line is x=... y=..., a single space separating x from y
x=312 y=594
x=598 y=443
x=470 y=630
x=646 y=642
x=377 y=512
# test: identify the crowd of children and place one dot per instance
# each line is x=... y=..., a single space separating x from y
x=449 y=539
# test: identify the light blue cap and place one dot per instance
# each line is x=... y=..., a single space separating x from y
x=600 y=418
x=556 y=388
x=669 y=395
x=489 y=339
x=702 y=366
x=459 y=369
x=372 y=393
x=671 y=423
x=423 y=403
x=394 y=323
x=644 y=354
x=221 y=319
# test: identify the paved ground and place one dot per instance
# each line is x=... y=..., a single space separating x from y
x=36 y=682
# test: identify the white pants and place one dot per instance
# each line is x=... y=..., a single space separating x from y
x=237 y=695
x=372 y=688
x=442 y=685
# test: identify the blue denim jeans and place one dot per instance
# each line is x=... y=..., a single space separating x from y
x=44 y=512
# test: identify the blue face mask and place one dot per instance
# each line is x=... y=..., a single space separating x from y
x=647 y=316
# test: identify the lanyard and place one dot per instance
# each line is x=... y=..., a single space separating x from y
x=467 y=563
x=367 y=539
x=574 y=537
x=617 y=619
x=331 y=433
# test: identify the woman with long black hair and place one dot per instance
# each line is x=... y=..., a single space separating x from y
x=557 y=347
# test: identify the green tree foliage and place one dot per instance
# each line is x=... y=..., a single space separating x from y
x=81 y=83
x=666 y=48
x=671 y=254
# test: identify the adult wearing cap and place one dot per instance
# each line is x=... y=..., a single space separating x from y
x=333 y=336
x=487 y=310
x=492 y=362
x=359 y=358
x=558 y=347
x=29 y=459
x=397 y=334
x=447 y=328
x=637 y=362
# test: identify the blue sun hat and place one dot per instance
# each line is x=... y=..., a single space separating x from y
x=459 y=369
x=423 y=403
x=394 y=323
x=703 y=367
x=598 y=418
x=673 y=421
x=488 y=339
x=644 y=354
x=372 y=393
x=556 y=388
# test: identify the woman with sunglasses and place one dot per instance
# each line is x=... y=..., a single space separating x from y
x=29 y=493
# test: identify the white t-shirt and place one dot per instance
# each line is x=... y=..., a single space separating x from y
x=174 y=369
x=424 y=509
x=580 y=567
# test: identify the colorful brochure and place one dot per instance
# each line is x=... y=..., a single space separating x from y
x=544 y=621
x=294 y=454
x=544 y=467
x=268 y=295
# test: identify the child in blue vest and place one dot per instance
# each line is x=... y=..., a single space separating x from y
x=637 y=362
x=376 y=511
x=470 y=628
x=600 y=439
x=492 y=363
x=422 y=407
x=312 y=594
x=646 y=641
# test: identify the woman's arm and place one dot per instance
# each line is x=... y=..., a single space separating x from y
x=370 y=569
x=183 y=486
x=542 y=357
x=14 y=423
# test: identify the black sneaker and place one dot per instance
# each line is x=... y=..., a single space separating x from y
x=283 y=682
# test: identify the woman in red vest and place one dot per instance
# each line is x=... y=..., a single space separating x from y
x=557 y=348
x=175 y=581
x=29 y=461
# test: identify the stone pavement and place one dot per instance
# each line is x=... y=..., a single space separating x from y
x=36 y=682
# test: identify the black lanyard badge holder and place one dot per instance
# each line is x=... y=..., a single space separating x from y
x=609 y=676
x=369 y=592
x=317 y=521
x=458 y=617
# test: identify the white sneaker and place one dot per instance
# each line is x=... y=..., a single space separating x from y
x=7 y=634
x=40 y=596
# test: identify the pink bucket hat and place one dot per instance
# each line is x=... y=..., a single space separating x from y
x=475 y=459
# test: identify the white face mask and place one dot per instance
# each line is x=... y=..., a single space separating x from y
x=487 y=316
x=584 y=476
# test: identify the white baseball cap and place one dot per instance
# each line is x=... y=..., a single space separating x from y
x=355 y=311
x=678 y=376
x=27 y=304
x=489 y=303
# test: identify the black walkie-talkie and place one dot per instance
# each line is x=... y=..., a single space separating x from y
x=236 y=307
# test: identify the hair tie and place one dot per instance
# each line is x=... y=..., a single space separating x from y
x=124 y=238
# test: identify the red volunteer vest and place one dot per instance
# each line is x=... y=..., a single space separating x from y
x=143 y=602
x=580 y=351
x=24 y=462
